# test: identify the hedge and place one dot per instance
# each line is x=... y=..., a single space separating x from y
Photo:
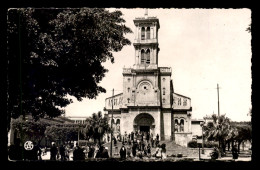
x=207 y=144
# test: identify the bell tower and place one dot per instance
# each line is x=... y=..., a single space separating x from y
x=146 y=42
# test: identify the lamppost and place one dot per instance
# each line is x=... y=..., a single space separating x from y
x=202 y=125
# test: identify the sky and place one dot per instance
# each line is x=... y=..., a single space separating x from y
x=204 y=47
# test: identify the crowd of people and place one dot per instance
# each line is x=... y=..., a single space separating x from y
x=135 y=144
x=139 y=144
x=78 y=153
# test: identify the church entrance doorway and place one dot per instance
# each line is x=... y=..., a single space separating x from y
x=144 y=122
x=145 y=128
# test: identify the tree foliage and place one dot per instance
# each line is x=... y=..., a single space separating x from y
x=96 y=127
x=33 y=130
x=53 y=53
x=222 y=129
x=218 y=129
x=62 y=133
x=53 y=130
x=244 y=131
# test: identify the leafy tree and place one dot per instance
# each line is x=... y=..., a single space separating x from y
x=33 y=130
x=55 y=129
x=96 y=126
x=53 y=53
x=243 y=132
x=62 y=133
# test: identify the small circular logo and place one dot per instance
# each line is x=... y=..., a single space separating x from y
x=28 y=145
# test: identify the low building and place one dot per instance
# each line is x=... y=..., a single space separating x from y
x=196 y=128
x=78 y=119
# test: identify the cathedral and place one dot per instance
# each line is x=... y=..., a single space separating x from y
x=148 y=101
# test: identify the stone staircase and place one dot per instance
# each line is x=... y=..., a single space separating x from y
x=172 y=149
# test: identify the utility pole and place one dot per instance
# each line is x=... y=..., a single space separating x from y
x=202 y=124
x=112 y=124
x=218 y=99
x=78 y=133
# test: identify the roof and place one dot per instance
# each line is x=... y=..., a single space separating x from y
x=151 y=19
x=181 y=95
x=114 y=95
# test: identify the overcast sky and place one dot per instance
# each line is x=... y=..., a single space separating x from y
x=204 y=47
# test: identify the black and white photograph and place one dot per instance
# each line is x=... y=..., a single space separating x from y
x=129 y=84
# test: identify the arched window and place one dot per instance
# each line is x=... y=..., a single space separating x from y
x=163 y=100
x=163 y=79
x=118 y=125
x=128 y=100
x=142 y=33
x=182 y=125
x=147 y=56
x=148 y=33
x=128 y=89
x=164 y=91
x=176 y=125
x=142 y=57
x=128 y=79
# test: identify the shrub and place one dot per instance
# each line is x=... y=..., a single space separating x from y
x=192 y=144
x=210 y=144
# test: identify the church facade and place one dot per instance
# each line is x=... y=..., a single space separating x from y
x=148 y=101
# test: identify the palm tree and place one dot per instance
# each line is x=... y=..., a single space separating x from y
x=96 y=126
x=218 y=130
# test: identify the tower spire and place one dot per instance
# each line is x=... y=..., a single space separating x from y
x=146 y=12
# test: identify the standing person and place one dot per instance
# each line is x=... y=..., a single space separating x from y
x=108 y=138
x=143 y=146
x=54 y=152
x=148 y=150
x=157 y=140
x=134 y=148
x=128 y=151
x=78 y=153
x=157 y=137
x=148 y=137
x=123 y=152
x=153 y=142
x=132 y=136
x=145 y=136
x=125 y=138
x=234 y=152
x=138 y=137
x=62 y=153
x=36 y=152
x=115 y=142
x=129 y=139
